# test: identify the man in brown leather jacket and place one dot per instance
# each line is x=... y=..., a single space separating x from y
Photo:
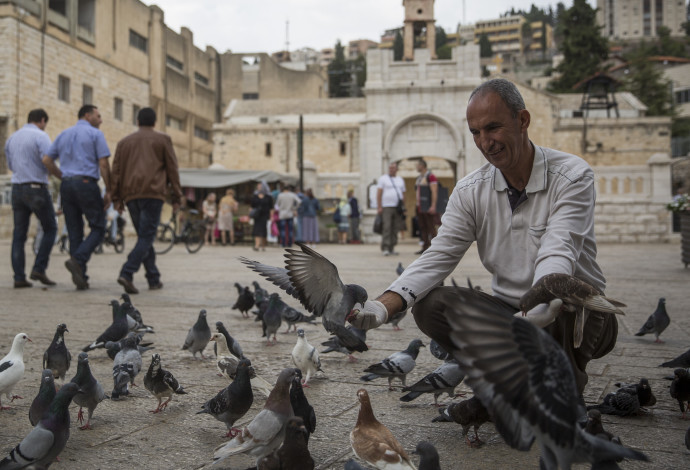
x=144 y=175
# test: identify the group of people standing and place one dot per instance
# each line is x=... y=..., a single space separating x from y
x=220 y=216
x=144 y=174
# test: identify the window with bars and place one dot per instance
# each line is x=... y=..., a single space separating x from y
x=86 y=94
x=63 y=88
x=174 y=63
x=117 y=109
x=138 y=41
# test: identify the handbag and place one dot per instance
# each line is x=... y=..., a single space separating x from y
x=378 y=224
x=400 y=208
x=254 y=212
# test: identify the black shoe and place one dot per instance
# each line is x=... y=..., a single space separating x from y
x=156 y=286
x=77 y=274
x=127 y=284
x=22 y=284
x=42 y=278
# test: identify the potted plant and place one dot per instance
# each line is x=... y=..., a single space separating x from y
x=681 y=206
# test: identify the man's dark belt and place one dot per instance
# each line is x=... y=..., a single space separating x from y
x=33 y=185
x=80 y=177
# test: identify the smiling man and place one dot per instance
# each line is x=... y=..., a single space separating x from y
x=530 y=210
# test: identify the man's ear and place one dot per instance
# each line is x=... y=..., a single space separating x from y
x=525 y=119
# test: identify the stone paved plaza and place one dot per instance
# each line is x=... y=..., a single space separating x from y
x=126 y=435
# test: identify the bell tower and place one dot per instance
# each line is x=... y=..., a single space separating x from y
x=419 y=16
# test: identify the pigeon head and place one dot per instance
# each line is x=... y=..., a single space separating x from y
x=114 y=303
x=644 y=383
x=218 y=337
x=47 y=376
x=295 y=428
x=279 y=397
x=681 y=373
x=413 y=347
x=62 y=328
x=202 y=313
x=366 y=414
x=662 y=300
x=300 y=333
x=594 y=416
x=219 y=325
x=19 y=341
x=155 y=360
x=83 y=357
x=125 y=298
x=129 y=342
x=358 y=293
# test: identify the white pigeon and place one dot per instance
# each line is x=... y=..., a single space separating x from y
x=12 y=368
x=306 y=357
x=227 y=365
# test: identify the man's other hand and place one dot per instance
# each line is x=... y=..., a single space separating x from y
x=372 y=315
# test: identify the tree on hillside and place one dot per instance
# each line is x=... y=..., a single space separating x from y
x=667 y=45
x=647 y=83
x=442 y=47
x=485 y=46
x=583 y=46
x=337 y=74
x=398 y=46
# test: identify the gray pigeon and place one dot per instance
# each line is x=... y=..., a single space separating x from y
x=272 y=318
x=293 y=453
x=468 y=413
x=135 y=321
x=443 y=379
x=114 y=347
x=335 y=344
x=161 y=383
x=644 y=392
x=314 y=281
x=266 y=431
x=233 y=402
x=396 y=318
x=428 y=456
x=245 y=300
x=198 y=336
x=438 y=352
x=43 y=444
x=122 y=375
x=397 y=365
x=126 y=366
x=57 y=358
x=595 y=427
x=657 y=321
x=293 y=316
x=622 y=402
x=259 y=292
x=399 y=269
x=681 y=361
x=92 y=390
x=577 y=297
x=117 y=330
x=526 y=381
x=43 y=399
x=233 y=345
x=353 y=465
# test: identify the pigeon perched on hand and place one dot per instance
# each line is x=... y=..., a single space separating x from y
x=126 y=366
x=395 y=366
x=294 y=453
x=135 y=321
x=314 y=281
x=198 y=336
x=681 y=361
x=306 y=357
x=266 y=431
x=233 y=402
x=12 y=368
x=43 y=444
x=680 y=389
x=526 y=381
x=428 y=456
x=57 y=358
x=301 y=406
x=117 y=330
x=443 y=379
x=44 y=398
x=335 y=344
x=92 y=390
x=233 y=345
x=161 y=383
x=577 y=297
x=373 y=442
x=245 y=300
x=467 y=413
x=657 y=322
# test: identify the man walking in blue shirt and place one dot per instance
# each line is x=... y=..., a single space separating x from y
x=83 y=154
x=24 y=150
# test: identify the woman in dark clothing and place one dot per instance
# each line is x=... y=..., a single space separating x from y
x=262 y=205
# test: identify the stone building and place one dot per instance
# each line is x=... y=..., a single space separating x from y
x=639 y=19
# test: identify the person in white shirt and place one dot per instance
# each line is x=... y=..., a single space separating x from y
x=530 y=210
x=391 y=190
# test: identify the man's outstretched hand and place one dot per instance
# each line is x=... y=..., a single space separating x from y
x=372 y=315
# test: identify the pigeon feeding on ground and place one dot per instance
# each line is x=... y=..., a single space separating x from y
x=657 y=321
x=126 y=366
x=57 y=358
x=117 y=330
x=266 y=431
x=227 y=366
x=467 y=413
x=44 y=398
x=396 y=318
x=43 y=444
x=135 y=321
x=233 y=402
x=301 y=406
x=233 y=345
x=577 y=297
x=438 y=352
x=306 y=357
x=681 y=361
x=245 y=300
x=526 y=381
x=259 y=292
x=161 y=383
x=12 y=368
x=428 y=456
x=198 y=336
x=335 y=344
x=373 y=442
x=443 y=379
x=272 y=318
x=314 y=281
x=92 y=390
x=293 y=316
x=680 y=389
x=644 y=392
x=294 y=453
x=397 y=365
x=115 y=347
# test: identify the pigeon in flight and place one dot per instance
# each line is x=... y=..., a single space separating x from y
x=117 y=330
x=245 y=300
x=680 y=389
x=12 y=368
x=334 y=344
x=577 y=297
x=467 y=413
x=373 y=442
x=657 y=322
x=92 y=390
x=301 y=406
x=443 y=379
x=161 y=383
x=395 y=366
x=428 y=456
x=294 y=453
x=198 y=336
x=57 y=358
x=526 y=381
x=314 y=281
x=681 y=361
x=306 y=357
x=44 y=398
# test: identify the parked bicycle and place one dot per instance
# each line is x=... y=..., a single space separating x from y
x=192 y=234
x=61 y=240
x=118 y=242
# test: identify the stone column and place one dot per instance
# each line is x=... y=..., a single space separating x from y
x=408 y=40
x=431 y=38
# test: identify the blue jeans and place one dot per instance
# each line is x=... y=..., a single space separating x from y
x=81 y=197
x=30 y=199
x=145 y=214
x=285 y=227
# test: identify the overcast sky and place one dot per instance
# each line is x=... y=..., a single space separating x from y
x=260 y=25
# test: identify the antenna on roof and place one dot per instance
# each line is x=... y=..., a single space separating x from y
x=287 y=35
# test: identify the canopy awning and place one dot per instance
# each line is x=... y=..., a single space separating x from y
x=205 y=178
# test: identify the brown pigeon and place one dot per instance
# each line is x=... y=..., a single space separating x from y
x=467 y=413
x=294 y=453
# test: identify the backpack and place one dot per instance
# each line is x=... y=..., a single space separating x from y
x=336 y=215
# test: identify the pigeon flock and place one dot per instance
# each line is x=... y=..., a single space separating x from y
x=520 y=379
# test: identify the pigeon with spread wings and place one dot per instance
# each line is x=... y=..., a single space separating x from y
x=314 y=281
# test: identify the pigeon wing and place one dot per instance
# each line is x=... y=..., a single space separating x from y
x=35 y=445
x=6 y=365
x=278 y=276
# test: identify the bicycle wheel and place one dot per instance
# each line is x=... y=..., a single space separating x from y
x=194 y=238
x=165 y=238
x=119 y=244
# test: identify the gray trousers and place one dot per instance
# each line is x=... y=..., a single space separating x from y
x=391 y=227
